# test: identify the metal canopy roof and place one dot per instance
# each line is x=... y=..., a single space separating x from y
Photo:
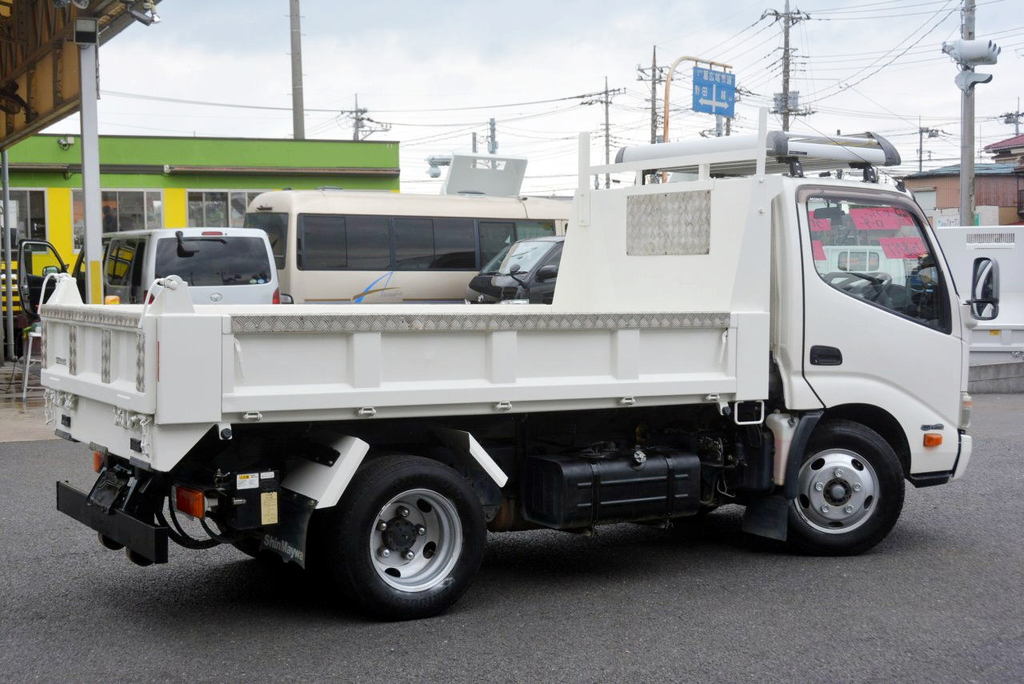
x=39 y=66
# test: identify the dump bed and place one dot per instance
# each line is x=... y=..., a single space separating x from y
x=663 y=298
x=248 y=364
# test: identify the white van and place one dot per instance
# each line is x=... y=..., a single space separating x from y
x=348 y=247
x=221 y=265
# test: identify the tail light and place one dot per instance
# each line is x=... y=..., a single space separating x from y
x=277 y=296
x=150 y=300
x=99 y=459
x=190 y=501
x=212 y=232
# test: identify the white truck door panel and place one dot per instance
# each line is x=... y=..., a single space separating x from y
x=866 y=330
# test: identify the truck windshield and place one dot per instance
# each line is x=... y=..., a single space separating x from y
x=225 y=260
x=276 y=226
x=879 y=253
x=527 y=254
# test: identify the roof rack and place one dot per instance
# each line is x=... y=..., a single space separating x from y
x=746 y=155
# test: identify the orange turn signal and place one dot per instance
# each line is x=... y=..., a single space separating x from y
x=99 y=459
x=190 y=501
x=112 y=299
x=932 y=439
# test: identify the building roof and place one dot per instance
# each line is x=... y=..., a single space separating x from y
x=1008 y=144
x=979 y=170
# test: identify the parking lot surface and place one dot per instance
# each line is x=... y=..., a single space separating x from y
x=939 y=600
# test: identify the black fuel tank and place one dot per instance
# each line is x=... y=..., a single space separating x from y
x=566 y=492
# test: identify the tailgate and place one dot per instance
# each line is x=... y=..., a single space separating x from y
x=101 y=353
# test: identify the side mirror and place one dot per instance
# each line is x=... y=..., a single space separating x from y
x=985 y=289
x=47 y=270
x=547 y=272
x=513 y=269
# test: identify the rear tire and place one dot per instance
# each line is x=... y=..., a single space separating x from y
x=850 y=491
x=406 y=539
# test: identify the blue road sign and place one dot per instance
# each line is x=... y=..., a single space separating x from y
x=714 y=92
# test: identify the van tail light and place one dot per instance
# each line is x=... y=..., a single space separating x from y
x=211 y=232
x=277 y=296
x=151 y=298
x=190 y=501
x=99 y=460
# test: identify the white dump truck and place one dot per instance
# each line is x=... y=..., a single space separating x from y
x=698 y=353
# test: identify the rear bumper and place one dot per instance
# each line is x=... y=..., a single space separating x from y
x=146 y=540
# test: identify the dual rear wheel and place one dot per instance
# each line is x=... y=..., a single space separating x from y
x=406 y=539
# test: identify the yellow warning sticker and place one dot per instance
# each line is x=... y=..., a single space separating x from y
x=247 y=481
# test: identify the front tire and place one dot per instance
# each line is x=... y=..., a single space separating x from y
x=406 y=539
x=850 y=491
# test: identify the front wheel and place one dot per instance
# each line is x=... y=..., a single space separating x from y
x=406 y=539
x=850 y=491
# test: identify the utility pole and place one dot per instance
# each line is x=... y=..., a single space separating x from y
x=789 y=19
x=969 y=53
x=357 y=119
x=1014 y=118
x=607 y=135
x=362 y=125
x=921 y=131
x=606 y=100
x=492 y=138
x=298 y=109
x=656 y=75
x=967 y=129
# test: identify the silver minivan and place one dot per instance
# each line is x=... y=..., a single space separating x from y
x=221 y=265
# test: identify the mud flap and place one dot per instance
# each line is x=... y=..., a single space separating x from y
x=767 y=517
x=288 y=538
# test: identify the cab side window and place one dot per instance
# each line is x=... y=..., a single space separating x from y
x=880 y=254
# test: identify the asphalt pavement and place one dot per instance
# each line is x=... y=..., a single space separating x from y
x=941 y=599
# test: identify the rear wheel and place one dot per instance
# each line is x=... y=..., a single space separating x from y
x=850 y=491
x=406 y=539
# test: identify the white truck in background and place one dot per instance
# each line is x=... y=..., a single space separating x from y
x=696 y=354
x=999 y=342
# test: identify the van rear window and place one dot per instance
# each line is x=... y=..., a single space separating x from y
x=206 y=261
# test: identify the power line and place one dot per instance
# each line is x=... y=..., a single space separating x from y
x=846 y=86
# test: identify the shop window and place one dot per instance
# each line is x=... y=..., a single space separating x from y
x=120 y=210
x=30 y=209
x=219 y=208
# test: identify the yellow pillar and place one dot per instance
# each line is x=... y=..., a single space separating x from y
x=59 y=222
x=175 y=208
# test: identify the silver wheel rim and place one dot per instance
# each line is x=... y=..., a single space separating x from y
x=416 y=540
x=838 y=491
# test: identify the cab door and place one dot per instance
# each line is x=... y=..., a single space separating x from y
x=881 y=332
x=122 y=269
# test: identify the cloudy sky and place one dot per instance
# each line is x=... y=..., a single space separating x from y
x=437 y=71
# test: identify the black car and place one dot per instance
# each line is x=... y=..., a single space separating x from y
x=524 y=271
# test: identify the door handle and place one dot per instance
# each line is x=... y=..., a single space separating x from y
x=826 y=356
